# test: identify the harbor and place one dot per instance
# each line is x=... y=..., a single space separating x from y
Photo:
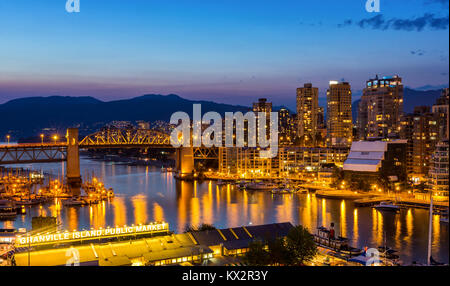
x=143 y=194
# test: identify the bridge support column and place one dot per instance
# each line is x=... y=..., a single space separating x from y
x=185 y=161
x=73 y=162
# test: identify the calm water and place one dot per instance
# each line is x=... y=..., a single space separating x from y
x=144 y=195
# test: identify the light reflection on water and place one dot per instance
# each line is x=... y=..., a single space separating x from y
x=144 y=194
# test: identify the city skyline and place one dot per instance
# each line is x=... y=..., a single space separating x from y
x=221 y=52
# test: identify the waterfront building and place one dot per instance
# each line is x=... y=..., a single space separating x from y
x=191 y=248
x=291 y=160
x=421 y=131
x=440 y=111
x=381 y=108
x=246 y=163
x=439 y=172
x=371 y=161
x=307 y=114
x=339 y=114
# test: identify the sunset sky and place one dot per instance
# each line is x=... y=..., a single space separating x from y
x=230 y=51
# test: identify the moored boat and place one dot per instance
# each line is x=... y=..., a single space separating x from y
x=387 y=206
x=260 y=186
x=7 y=213
x=73 y=202
x=325 y=238
x=281 y=191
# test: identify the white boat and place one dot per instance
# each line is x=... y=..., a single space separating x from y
x=387 y=206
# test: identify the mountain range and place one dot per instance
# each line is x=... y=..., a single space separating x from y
x=26 y=117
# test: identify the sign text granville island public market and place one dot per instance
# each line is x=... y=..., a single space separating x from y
x=98 y=233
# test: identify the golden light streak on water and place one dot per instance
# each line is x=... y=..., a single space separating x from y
x=314 y=213
x=140 y=209
x=158 y=213
x=207 y=206
x=374 y=224
x=245 y=206
x=436 y=231
x=380 y=229
x=324 y=213
x=343 y=220
x=196 y=218
x=182 y=202
x=120 y=211
x=409 y=224
x=217 y=198
x=398 y=231
x=195 y=188
x=306 y=213
x=355 y=225
x=72 y=218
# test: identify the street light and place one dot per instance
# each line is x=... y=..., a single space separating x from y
x=42 y=139
x=55 y=138
x=7 y=137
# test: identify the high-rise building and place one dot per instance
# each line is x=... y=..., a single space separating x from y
x=320 y=118
x=263 y=106
x=339 y=114
x=420 y=130
x=286 y=127
x=307 y=113
x=381 y=108
x=438 y=176
x=440 y=111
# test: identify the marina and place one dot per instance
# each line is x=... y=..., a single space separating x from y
x=143 y=194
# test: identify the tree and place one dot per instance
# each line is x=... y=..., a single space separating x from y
x=279 y=254
x=205 y=226
x=257 y=255
x=300 y=243
x=202 y=227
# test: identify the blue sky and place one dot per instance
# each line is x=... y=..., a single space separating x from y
x=222 y=50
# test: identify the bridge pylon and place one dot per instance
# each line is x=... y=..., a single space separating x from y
x=73 y=162
x=185 y=161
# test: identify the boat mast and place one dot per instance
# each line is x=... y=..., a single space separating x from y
x=430 y=229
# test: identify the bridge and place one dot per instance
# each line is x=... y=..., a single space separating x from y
x=109 y=138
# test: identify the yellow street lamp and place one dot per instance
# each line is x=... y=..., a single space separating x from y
x=55 y=138
x=8 y=137
x=42 y=139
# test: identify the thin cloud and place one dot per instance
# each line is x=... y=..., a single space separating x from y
x=378 y=22
x=418 y=52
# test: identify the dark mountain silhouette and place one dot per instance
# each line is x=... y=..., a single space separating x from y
x=411 y=99
x=28 y=116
